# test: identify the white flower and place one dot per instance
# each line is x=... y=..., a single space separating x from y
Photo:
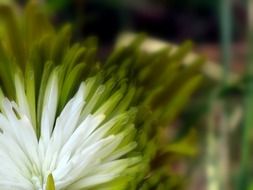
x=81 y=150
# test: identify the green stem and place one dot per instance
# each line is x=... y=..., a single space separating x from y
x=226 y=55
x=226 y=37
x=245 y=164
x=218 y=146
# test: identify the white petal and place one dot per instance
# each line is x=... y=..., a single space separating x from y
x=49 y=107
x=21 y=96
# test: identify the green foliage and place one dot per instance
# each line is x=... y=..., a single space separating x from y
x=156 y=86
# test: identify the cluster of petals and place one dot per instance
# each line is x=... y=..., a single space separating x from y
x=73 y=146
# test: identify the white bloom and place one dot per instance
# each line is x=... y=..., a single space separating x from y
x=76 y=147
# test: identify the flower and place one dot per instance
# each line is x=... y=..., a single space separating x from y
x=80 y=148
x=69 y=120
x=65 y=121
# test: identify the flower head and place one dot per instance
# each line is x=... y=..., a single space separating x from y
x=69 y=121
x=81 y=147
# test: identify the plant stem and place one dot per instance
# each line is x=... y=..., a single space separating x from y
x=245 y=164
x=226 y=56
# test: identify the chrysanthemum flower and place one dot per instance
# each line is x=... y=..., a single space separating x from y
x=79 y=149
x=62 y=126
x=68 y=121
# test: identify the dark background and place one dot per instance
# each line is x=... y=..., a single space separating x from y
x=171 y=20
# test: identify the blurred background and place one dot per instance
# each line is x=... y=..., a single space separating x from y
x=168 y=20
